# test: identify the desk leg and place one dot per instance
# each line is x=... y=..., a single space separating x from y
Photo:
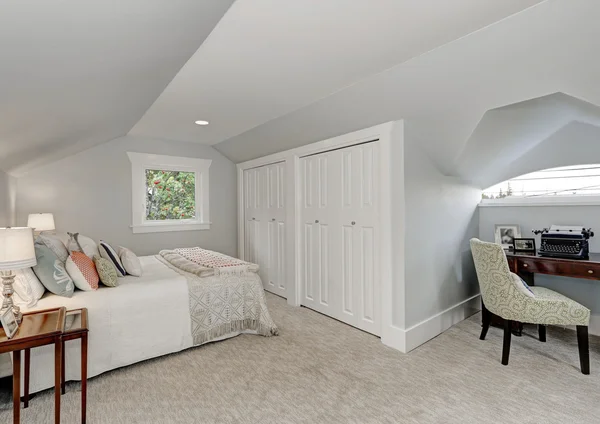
x=16 y=386
x=57 y=376
x=84 y=346
x=62 y=369
x=26 y=378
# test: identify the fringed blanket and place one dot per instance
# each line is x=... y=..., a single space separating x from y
x=222 y=304
x=205 y=263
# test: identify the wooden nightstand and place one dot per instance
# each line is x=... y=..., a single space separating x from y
x=39 y=328
x=76 y=327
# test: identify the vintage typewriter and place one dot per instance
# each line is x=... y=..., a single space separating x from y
x=566 y=242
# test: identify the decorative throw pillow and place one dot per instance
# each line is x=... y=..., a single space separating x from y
x=51 y=271
x=130 y=262
x=83 y=271
x=106 y=271
x=73 y=244
x=107 y=252
x=88 y=246
x=28 y=287
x=54 y=243
x=522 y=286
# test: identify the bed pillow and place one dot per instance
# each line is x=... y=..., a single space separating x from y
x=73 y=244
x=51 y=272
x=107 y=252
x=83 y=271
x=81 y=243
x=28 y=287
x=88 y=246
x=106 y=271
x=130 y=262
x=54 y=243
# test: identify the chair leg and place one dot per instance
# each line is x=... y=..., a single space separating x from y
x=506 y=345
x=486 y=316
x=542 y=332
x=584 y=349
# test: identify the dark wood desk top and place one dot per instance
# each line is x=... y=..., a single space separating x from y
x=528 y=263
x=594 y=257
x=37 y=326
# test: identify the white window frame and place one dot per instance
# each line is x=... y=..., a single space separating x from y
x=140 y=162
x=563 y=200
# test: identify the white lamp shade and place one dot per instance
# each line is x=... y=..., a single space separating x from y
x=16 y=248
x=41 y=221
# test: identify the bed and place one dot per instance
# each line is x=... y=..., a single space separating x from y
x=150 y=316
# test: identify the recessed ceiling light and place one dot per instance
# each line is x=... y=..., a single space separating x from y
x=201 y=122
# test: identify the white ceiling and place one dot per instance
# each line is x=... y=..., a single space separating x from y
x=276 y=74
x=443 y=94
x=77 y=73
x=267 y=58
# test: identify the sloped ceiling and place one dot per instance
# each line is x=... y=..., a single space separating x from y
x=506 y=134
x=268 y=58
x=77 y=73
x=275 y=74
x=443 y=94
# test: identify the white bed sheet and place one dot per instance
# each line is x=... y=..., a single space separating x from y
x=144 y=317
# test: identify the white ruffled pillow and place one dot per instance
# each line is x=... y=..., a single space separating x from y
x=130 y=262
x=27 y=287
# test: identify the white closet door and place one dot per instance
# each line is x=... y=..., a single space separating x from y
x=264 y=197
x=340 y=235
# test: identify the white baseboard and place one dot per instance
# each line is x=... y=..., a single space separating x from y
x=426 y=330
x=394 y=337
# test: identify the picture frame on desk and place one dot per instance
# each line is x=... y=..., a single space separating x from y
x=9 y=322
x=525 y=245
x=505 y=234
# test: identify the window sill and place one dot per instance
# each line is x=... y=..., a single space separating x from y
x=169 y=227
x=541 y=201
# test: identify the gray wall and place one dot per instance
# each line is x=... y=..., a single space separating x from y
x=586 y=292
x=7 y=199
x=90 y=193
x=441 y=218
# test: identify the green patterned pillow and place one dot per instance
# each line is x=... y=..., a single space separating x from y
x=106 y=271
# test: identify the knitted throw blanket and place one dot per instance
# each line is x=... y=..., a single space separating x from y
x=220 y=263
x=222 y=305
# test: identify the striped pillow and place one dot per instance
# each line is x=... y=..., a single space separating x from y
x=83 y=271
x=107 y=252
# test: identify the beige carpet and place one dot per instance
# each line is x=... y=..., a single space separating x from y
x=322 y=371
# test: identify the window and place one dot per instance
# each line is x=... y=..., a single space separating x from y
x=555 y=184
x=169 y=193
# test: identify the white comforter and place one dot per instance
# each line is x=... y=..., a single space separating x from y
x=143 y=318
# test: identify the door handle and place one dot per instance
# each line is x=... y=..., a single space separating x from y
x=316 y=221
x=272 y=219
x=353 y=222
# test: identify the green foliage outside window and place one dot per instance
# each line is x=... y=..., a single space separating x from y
x=170 y=195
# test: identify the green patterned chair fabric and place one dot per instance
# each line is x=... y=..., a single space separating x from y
x=503 y=296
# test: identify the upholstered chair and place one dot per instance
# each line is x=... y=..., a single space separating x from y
x=504 y=294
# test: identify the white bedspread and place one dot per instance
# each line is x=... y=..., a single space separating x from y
x=143 y=318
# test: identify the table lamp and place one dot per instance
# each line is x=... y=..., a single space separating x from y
x=16 y=252
x=41 y=222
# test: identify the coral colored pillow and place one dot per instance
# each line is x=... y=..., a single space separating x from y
x=83 y=271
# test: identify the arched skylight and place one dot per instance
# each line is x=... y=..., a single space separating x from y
x=579 y=180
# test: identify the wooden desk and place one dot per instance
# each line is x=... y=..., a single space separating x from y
x=38 y=328
x=526 y=265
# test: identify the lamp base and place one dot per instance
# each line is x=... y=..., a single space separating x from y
x=8 y=278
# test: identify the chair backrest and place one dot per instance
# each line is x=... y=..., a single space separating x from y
x=499 y=289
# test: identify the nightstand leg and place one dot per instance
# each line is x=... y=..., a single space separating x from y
x=84 y=346
x=62 y=369
x=26 y=378
x=16 y=386
x=57 y=376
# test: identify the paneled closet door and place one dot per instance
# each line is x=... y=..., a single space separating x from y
x=264 y=197
x=340 y=237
